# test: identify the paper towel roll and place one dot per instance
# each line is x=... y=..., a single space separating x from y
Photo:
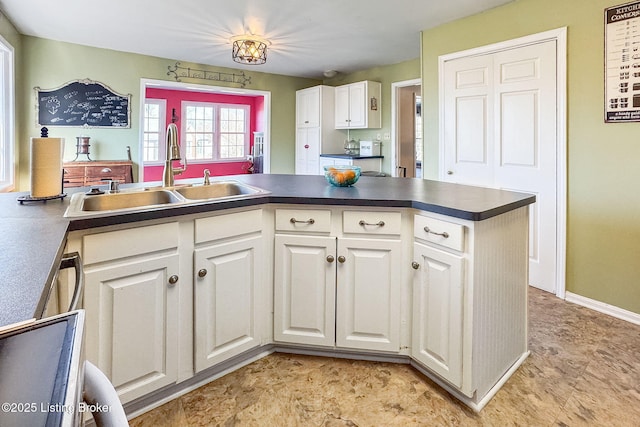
x=46 y=166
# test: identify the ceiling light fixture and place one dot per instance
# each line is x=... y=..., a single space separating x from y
x=249 y=49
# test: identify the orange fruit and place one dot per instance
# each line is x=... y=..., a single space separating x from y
x=349 y=175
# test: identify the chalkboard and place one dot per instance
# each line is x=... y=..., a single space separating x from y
x=83 y=103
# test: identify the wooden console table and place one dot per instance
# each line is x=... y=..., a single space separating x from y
x=97 y=172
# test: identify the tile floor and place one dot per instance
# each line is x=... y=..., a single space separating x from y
x=584 y=370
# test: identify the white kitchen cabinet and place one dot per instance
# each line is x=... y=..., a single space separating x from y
x=229 y=279
x=308 y=151
x=315 y=130
x=131 y=302
x=437 y=311
x=334 y=289
x=308 y=106
x=358 y=106
x=470 y=301
x=368 y=297
x=304 y=295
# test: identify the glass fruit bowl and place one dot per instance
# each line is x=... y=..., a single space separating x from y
x=342 y=176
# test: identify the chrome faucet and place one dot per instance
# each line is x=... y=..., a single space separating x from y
x=207 y=174
x=173 y=153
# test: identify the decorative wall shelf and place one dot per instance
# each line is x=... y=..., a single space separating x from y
x=178 y=72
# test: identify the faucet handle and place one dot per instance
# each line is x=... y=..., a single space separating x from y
x=207 y=173
x=114 y=186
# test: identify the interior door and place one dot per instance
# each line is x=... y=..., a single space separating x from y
x=407 y=131
x=501 y=131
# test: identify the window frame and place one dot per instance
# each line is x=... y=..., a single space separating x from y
x=217 y=106
x=162 y=103
x=7 y=116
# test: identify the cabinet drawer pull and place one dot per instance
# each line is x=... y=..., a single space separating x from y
x=443 y=234
x=341 y=259
x=173 y=280
x=377 y=224
x=415 y=265
x=106 y=170
x=296 y=221
x=330 y=259
x=202 y=272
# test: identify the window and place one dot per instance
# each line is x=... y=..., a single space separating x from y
x=215 y=131
x=154 y=120
x=7 y=121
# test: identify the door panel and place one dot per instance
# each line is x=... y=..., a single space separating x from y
x=368 y=305
x=304 y=290
x=500 y=131
x=437 y=312
x=225 y=300
x=140 y=359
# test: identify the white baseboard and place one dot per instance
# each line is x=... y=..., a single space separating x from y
x=602 y=307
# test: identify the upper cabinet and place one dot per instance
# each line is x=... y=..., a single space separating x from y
x=358 y=106
x=315 y=130
x=308 y=107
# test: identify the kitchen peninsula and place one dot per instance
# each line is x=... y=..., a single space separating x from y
x=434 y=264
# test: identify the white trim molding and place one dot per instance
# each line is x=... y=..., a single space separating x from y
x=394 y=120
x=602 y=307
x=559 y=35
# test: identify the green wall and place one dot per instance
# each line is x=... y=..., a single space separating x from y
x=386 y=75
x=49 y=64
x=603 y=240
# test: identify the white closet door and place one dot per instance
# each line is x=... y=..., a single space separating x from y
x=501 y=131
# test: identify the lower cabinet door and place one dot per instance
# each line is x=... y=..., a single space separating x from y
x=132 y=334
x=437 y=312
x=368 y=294
x=304 y=290
x=228 y=277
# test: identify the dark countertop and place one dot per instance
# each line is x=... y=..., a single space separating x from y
x=34 y=233
x=350 y=156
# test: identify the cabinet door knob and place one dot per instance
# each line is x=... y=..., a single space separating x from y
x=330 y=258
x=202 y=272
x=306 y=145
x=449 y=172
x=415 y=265
x=173 y=280
x=341 y=259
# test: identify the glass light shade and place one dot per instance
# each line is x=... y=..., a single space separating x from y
x=251 y=52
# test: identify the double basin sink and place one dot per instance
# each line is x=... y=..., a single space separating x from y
x=83 y=204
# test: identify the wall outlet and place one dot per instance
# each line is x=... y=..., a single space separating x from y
x=387 y=136
x=378 y=136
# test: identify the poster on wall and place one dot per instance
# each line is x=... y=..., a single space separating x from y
x=622 y=63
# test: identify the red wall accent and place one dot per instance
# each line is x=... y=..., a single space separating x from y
x=174 y=99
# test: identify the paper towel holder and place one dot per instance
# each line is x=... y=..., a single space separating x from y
x=44 y=133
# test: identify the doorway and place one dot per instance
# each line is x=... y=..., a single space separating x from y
x=502 y=121
x=263 y=117
x=406 y=153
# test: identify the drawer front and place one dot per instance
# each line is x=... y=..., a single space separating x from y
x=369 y=222
x=443 y=233
x=303 y=220
x=228 y=225
x=106 y=171
x=73 y=172
x=130 y=242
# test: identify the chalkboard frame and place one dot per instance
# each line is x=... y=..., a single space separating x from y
x=41 y=105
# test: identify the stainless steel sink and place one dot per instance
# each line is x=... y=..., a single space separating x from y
x=116 y=201
x=139 y=200
x=218 y=190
